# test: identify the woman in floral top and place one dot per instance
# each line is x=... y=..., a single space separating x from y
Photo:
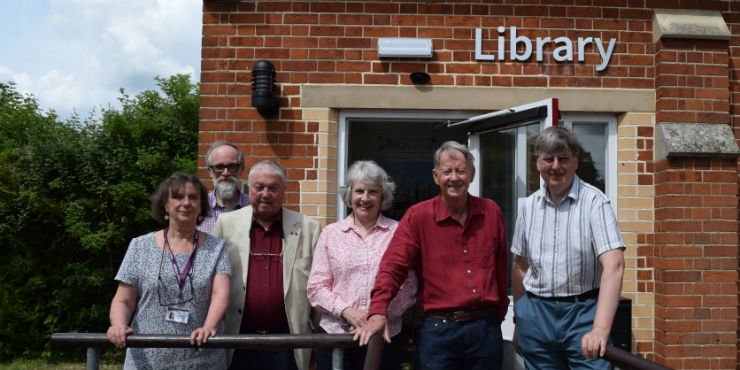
x=346 y=260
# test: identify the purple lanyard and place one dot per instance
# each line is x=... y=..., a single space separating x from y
x=180 y=276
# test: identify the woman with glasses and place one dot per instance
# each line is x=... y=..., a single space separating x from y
x=346 y=260
x=176 y=280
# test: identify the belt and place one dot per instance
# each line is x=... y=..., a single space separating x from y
x=571 y=298
x=461 y=315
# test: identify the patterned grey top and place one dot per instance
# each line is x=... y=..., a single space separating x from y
x=149 y=269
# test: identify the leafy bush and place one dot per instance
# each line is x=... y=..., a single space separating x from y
x=72 y=195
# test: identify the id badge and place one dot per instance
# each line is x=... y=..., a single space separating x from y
x=178 y=315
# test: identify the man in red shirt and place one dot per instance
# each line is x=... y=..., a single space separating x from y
x=456 y=243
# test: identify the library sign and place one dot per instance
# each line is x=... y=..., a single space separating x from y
x=564 y=49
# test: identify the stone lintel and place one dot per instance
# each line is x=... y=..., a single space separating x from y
x=695 y=140
x=689 y=24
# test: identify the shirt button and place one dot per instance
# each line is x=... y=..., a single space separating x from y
x=468 y=271
x=475 y=290
x=267 y=268
x=465 y=251
x=265 y=285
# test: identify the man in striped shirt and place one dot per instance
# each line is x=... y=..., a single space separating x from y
x=568 y=265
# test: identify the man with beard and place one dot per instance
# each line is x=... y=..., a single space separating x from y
x=225 y=164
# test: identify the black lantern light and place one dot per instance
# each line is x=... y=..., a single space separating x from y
x=263 y=86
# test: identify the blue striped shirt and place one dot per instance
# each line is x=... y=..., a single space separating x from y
x=562 y=242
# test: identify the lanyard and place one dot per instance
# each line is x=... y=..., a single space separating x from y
x=180 y=276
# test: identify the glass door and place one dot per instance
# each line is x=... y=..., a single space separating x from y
x=503 y=145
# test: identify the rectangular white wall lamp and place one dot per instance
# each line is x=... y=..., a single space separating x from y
x=404 y=47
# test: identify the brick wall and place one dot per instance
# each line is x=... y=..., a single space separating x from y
x=696 y=218
x=679 y=218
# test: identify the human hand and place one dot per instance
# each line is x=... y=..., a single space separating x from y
x=593 y=344
x=356 y=317
x=372 y=326
x=117 y=335
x=200 y=336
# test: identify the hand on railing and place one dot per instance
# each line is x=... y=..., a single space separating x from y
x=374 y=325
x=117 y=335
x=200 y=335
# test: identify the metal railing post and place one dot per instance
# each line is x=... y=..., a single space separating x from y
x=93 y=360
x=337 y=358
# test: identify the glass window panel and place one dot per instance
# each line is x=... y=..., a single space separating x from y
x=405 y=150
x=592 y=157
x=498 y=179
x=533 y=176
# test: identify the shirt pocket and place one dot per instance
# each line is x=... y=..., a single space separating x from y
x=484 y=254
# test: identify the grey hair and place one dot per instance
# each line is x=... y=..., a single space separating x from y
x=555 y=139
x=451 y=148
x=239 y=154
x=369 y=173
x=270 y=168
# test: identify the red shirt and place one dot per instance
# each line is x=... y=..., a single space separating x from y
x=458 y=267
x=264 y=306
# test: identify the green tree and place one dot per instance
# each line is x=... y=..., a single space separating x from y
x=72 y=195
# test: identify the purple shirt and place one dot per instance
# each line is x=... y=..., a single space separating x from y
x=207 y=225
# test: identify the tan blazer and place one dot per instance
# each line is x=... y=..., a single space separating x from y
x=300 y=236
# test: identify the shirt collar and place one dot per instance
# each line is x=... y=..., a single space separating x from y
x=441 y=212
x=349 y=222
x=572 y=192
x=278 y=222
x=243 y=200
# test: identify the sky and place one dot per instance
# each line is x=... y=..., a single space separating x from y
x=74 y=56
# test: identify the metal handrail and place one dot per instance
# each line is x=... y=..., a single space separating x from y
x=617 y=356
x=628 y=361
x=100 y=340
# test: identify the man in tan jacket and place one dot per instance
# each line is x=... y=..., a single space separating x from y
x=271 y=251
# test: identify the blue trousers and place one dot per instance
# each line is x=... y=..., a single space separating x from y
x=447 y=344
x=549 y=333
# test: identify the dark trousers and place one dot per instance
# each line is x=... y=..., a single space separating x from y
x=263 y=358
x=354 y=358
x=447 y=344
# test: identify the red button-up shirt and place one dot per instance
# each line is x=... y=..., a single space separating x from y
x=458 y=267
x=264 y=307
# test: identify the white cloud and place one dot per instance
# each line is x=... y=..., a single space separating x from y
x=84 y=51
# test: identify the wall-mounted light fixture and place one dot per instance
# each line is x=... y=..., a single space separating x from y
x=263 y=87
x=419 y=78
x=404 y=47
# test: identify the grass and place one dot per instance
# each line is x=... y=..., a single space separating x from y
x=46 y=365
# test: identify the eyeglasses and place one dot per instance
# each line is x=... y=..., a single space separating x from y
x=272 y=256
x=563 y=159
x=233 y=167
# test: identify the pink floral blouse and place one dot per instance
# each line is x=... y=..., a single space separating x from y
x=343 y=274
